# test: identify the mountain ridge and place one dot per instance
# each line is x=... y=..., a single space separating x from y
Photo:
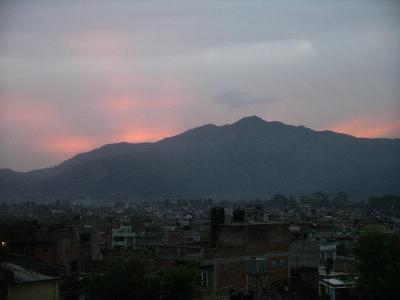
x=249 y=158
x=252 y=119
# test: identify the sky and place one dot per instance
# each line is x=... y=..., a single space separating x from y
x=75 y=75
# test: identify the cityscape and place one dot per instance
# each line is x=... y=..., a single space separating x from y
x=307 y=247
x=199 y=150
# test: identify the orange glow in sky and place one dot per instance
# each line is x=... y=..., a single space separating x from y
x=25 y=111
x=68 y=145
x=368 y=127
x=118 y=104
x=142 y=137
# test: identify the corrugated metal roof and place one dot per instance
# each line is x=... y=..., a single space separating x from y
x=22 y=275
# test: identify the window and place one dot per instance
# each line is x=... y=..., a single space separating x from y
x=74 y=266
x=203 y=279
x=273 y=263
x=85 y=237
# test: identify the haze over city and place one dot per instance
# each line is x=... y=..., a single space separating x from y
x=77 y=75
x=204 y=150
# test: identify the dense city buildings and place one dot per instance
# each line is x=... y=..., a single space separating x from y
x=288 y=248
x=199 y=150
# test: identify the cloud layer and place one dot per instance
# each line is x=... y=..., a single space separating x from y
x=239 y=99
x=76 y=75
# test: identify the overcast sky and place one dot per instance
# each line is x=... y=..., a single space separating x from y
x=75 y=75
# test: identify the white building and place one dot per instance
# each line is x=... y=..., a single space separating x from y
x=123 y=238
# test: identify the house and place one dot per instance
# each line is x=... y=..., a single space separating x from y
x=226 y=259
x=338 y=288
x=19 y=283
x=123 y=238
x=49 y=245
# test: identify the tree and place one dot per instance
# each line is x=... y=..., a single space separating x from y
x=378 y=258
x=122 y=279
x=180 y=282
x=387 y=202
x=133 y=278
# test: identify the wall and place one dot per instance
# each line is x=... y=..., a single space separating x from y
x=234 y=242
x=251 y=239
x=230 y=275
x=43 y=290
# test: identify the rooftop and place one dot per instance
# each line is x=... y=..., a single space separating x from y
x=23 y=275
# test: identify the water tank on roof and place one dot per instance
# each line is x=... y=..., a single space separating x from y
x=217 y=215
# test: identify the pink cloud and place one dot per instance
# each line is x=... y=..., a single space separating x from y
x=25 y=111
x=67 y=145
x=118 y=104
x=368 y=127
x=125 y=107
x=150 y=135
x=137 y=114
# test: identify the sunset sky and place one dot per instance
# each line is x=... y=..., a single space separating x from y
x=75 y=75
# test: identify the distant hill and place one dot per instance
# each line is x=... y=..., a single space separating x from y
x=247 y=159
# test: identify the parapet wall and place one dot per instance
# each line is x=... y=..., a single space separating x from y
x=251 y=239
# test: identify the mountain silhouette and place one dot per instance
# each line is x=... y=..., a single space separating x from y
x=247 y=159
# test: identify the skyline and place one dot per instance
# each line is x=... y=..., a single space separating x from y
x=75 y=76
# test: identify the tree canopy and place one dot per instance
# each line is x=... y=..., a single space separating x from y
x=387 y=202
x=134 y=278
x=378 y=257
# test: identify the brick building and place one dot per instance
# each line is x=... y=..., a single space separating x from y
x=222 y=260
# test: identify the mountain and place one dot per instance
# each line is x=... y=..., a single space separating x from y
x=250 y=158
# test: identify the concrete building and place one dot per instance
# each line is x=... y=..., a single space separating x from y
x=224 y=260
x=59 y=246
x=18 y=283
x=123 y=238
x=233 y=244
x=304 y=262
x=327 y=253
x=337 y=288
